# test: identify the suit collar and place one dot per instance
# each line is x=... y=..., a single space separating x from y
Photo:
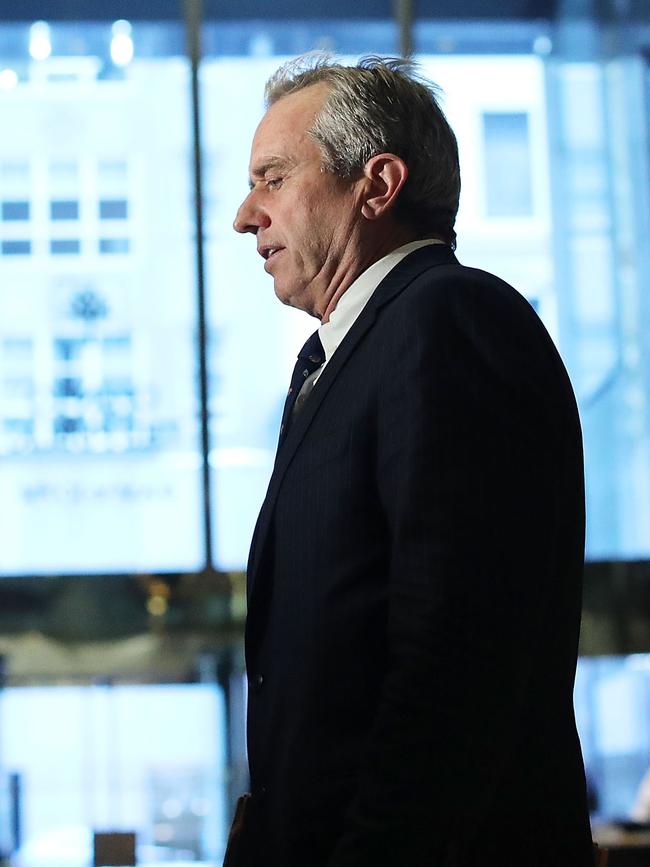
x=408 y=269
x=357 y=295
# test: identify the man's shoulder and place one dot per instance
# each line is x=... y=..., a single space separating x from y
x=442 y=302
x=432 y=277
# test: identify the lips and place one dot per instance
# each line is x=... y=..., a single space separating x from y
x=269 y=252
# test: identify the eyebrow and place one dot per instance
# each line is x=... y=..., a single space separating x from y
x=270 y=164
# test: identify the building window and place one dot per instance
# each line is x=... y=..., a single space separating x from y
x=20 y=426
x=64 y=209
x=67 y=425
x=17 y=350
x=67 y=349
x=113 y=245
x=15 y=211
x=15 y=173
x=16 y=354
x=16 y=248
x=18 y=387
x=508 y=182
x=68 y=386
x=65 y=246
x=113 y=209
x=112 y=173
x=64 y=174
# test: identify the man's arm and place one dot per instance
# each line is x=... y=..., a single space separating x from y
x=472 y=423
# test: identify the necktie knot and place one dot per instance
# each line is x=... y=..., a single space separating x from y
x=312 y=354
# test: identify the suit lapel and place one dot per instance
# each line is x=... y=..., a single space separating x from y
x=394 y=283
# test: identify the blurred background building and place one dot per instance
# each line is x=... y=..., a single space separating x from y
x=144 y=362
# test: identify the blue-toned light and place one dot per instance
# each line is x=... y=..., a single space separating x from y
x=121 y=43
x=40 y=45
x=542 y=45
x=8 y=79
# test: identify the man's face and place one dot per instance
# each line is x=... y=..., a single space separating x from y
x=304 y=218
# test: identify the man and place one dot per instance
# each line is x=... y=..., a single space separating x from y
x=415 y=574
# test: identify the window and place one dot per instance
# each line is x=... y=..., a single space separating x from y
x=67 y=424
x=613 y=715
x=64 y=174
x=508 y=182
x=20 y=387
x=15 y=211
x=112 y=174
x=23 y=427
x=17 y=350
x=16 y=248
x=14 y=172
x=64 y=209
x=68 y=387
x=65 y=246
x=66 y=349
x=113 y=209
x=114 y=245
x=17 y=392
x=169 y=789
x=114 y=337
x=524 y=129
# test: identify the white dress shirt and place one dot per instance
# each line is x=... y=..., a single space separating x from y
x=357 y=295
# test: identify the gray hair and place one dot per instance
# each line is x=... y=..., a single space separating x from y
x=383 y=106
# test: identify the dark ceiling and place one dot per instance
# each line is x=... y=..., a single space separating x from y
x=228 y=10
x=95 y=10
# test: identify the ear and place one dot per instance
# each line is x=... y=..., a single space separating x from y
x=385 y=174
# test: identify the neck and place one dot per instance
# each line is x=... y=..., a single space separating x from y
x=365 y=255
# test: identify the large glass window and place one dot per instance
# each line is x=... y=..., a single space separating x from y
x=599 y=171
x=99 y=436
x=93 y=247
x=147 y=759
x=555 y=200
x=506 y=144
x=612 y=700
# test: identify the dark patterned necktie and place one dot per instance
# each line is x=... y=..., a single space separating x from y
x=310 y=358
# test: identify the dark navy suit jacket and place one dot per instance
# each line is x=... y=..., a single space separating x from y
x=415 y=591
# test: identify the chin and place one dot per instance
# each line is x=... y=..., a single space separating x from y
x=298 y=299
x=282 y=295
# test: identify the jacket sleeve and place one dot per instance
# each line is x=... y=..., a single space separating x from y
x=472 y=418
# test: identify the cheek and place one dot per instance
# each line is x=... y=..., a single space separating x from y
x=307 y=238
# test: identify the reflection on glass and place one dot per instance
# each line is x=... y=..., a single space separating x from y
x=612 y=701
x=98 y=408
x=506 y=145
x=94 y=249
x=64 y=210
x=527 y=125
x=149 y=759
x=15 y=210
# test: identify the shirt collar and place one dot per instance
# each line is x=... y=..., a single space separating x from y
x=358 y=293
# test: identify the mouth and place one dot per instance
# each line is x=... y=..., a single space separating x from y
x=269 y=252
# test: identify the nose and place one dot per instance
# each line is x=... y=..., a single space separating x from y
x=250 y=217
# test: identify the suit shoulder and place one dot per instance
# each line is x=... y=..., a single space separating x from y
x=452 y=302
x=458 y=285
x=469 y=295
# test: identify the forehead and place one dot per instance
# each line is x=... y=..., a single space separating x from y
x=283 y=129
